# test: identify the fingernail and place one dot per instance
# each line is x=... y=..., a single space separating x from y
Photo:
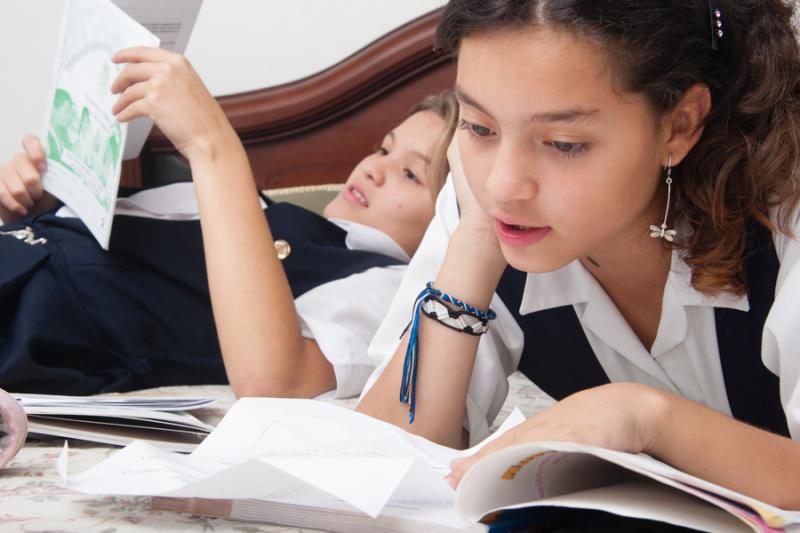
x=451 y=480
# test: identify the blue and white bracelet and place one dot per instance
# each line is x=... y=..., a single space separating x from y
x=431 y=302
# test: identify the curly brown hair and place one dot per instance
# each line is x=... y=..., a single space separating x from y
x=744 y=170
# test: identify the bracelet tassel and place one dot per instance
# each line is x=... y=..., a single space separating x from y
x=408 y=387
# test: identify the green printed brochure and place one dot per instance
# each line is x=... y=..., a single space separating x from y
x=85 y=144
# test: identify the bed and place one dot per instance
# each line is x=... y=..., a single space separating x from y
x=313 y=131
x=294 y=138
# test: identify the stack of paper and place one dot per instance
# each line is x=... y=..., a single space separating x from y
x=158 y=420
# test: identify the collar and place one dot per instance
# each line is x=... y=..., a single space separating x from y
x=361 y=237
x=573 y=284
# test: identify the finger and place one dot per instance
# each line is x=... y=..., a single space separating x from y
x=35 y=151
x=26 y=176
x=130 y=95
x=9 y=203
x=142 y=54
x=133 y=74
x=452 y=149
x=458 y=467
x=138 y=108
x=15 y=185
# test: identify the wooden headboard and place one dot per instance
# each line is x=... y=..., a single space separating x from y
x=315 y=130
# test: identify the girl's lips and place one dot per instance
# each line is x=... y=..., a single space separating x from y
x=355 y=196
x=520 y=236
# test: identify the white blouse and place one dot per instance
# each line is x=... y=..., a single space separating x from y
x=341 y=324
x=684 y=358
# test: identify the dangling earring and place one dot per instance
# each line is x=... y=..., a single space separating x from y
x=661 y=232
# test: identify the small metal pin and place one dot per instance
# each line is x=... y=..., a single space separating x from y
x=283 y=249
x=25 y=235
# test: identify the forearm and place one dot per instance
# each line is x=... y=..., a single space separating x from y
x=446 y=357
x=712 y=446
x=257 y=324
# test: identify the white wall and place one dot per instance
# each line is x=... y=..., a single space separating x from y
x=237 y=45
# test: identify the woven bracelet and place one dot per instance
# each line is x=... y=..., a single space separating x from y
x=430 y=294
x=461 y=321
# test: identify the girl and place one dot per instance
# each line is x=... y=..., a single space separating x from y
x=636 y=164
x=78 y=320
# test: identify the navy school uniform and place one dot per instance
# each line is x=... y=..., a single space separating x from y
x=75 y=319
x=739 y=335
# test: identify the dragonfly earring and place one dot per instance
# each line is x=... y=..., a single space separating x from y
x=661 y=232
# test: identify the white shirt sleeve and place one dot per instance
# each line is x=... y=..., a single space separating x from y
x=781 y=340
x=175 y=201
x=342 y=316
x=499 y=349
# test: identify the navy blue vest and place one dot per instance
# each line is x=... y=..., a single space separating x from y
x=558 y=358
x=75 y=319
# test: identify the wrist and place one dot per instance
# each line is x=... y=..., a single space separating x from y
x=652 y=408
x=212 y=145
x=478 y=250
x=470 y=271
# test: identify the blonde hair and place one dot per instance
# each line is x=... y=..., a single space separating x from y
x=445 y=106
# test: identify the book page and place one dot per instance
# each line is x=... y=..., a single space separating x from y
x=83 y=139
x=536 y=473
x=294 y=451
x=172 y=22
x=137 y=400
x=648 y=500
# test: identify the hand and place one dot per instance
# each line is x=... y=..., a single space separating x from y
x=618 y=416
x=21 y=180
x=475 y=222
x=163 y=86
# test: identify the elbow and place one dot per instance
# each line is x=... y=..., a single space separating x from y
x=305 y=375
x=294 y=385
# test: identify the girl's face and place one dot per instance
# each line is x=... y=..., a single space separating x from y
x=391 y=190
x=566 y=164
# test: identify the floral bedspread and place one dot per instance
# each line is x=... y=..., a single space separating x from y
x=32 y=498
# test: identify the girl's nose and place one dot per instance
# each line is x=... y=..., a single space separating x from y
x=378 y=170
x=511 y=177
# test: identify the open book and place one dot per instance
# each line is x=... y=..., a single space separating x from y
x=85 y=144
x=160 y=421
x=310 y=464
x=531 y=476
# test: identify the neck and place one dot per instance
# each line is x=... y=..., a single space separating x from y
x=634 y=281
x=641 y=267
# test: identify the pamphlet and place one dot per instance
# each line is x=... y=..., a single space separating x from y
x=84 y=142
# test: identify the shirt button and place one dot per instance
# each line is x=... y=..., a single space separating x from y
x=283 y=249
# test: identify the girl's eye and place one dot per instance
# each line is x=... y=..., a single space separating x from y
x=382 y=151
x=410 y=175
x=567 y=148
x=475 y=129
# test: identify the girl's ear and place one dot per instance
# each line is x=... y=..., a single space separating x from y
x=683 y=125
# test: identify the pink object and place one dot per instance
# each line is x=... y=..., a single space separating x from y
x=13 y=427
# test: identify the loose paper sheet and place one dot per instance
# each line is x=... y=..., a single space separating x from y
x=299 y=451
